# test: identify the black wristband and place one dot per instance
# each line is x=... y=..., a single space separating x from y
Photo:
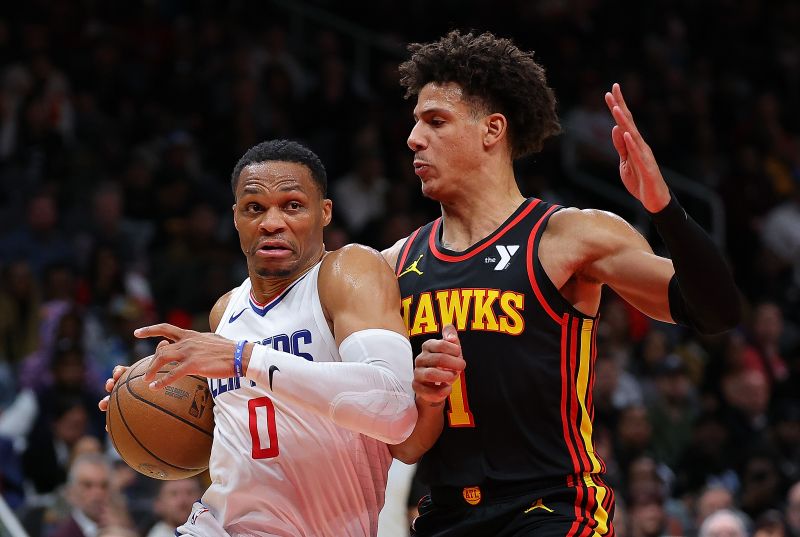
x=703 y=294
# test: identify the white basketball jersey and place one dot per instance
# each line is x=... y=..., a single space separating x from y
x=276 y=469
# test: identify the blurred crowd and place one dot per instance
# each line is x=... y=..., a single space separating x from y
x=120 y=124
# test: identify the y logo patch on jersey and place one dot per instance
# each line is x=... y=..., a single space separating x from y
x=412 y=268
x=506 y=253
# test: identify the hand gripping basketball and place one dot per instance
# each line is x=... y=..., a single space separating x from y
x=196 y=353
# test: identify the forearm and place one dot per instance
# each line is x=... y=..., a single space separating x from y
x=703 y=294
x=430 y=420
x=368 y=392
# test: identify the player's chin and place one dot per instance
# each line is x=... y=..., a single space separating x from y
x=275 y=270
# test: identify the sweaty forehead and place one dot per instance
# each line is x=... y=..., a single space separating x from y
x=275 y=175
x=435 y=96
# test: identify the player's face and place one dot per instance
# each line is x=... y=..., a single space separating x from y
x=447 y=140
x=279 y=214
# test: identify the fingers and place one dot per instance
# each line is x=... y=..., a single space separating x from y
x=431 y=393
x=441 y=346
x=165 y=330
x=635 y=152
x=165 y=353
x=179 y=371
x=618 y=139
x=435 y=375
x=103 y=403
x=115 y=376
x=619 y=110
x=449 y=333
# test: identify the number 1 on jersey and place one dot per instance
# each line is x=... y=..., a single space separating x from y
x=459 y=414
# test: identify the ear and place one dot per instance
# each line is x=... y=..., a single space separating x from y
x=496 y=128
x=327 y=211
x=235 y=224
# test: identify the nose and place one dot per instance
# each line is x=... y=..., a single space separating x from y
x=415 y=141
x=272 y=221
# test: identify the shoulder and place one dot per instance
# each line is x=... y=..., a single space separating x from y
x=354 y=272
x=393 y=252
x=351 y=260
x=218 y=310
x=589 y=227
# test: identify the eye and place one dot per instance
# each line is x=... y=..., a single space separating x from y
x=437 y=122
x=252 y=207
x=294 y=205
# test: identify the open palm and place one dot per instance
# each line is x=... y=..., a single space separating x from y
x=638 y=168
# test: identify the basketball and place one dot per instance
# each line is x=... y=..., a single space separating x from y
x=166 y=433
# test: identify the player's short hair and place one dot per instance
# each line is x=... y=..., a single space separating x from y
x=496 y=76
x=282 y=151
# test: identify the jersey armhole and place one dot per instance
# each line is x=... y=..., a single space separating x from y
x=549 y=297
x=234 y=299
x=401 y=259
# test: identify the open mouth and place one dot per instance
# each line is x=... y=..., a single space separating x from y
x=273 y=250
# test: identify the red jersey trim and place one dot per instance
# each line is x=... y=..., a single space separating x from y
x=532 y=274
x=406 y=248
x=456 y=258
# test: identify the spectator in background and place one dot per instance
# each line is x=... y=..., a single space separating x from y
x=93 y=506
x=746 y=398
x=360 y=195
x=763 y=352
x=40 y=242
x=762 y=483
x=614 y=390
x=634 y=435
x=792 y=510
x=107 y=225
x=784 y=437
x=173 y=505
x=19 y=313
x=671 y=410
x=712 y=499
x=724 y=523
x=708 y=458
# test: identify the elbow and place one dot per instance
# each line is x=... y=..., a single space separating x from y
x=402 y=425
x=386 y=416
x=405 y=453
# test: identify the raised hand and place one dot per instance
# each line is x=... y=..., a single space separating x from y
x=438 y=366
x=637 y=165
x=197 y=353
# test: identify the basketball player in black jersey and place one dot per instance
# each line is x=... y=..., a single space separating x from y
x=508 y=446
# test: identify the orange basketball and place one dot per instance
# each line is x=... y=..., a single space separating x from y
x=165 y=433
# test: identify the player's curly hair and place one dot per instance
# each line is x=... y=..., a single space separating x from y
x=496 y=75
x=282 y=151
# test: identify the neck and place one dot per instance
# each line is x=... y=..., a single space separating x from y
x=476 y=212
x=265 y=288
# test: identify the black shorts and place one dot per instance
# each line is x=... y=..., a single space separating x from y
x=581 y=507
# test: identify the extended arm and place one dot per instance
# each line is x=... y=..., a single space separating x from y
x=700 y=291
x=368 y=392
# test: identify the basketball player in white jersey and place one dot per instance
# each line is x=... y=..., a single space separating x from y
x=310 y=367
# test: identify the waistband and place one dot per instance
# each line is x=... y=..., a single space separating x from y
x=491 y=492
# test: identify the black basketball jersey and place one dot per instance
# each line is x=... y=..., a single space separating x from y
x=522 y=409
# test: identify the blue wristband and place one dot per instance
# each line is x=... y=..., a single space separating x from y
x=237 y=358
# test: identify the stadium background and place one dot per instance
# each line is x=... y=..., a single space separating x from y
x=120 y=123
